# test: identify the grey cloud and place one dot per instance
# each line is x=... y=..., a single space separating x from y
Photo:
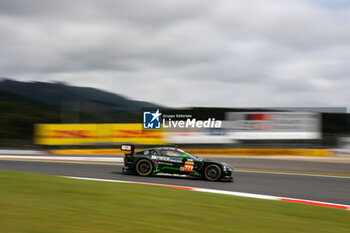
x=142 y=12
x=215 y=53
x=299 y=25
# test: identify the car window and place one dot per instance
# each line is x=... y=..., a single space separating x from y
x=182 y=152
x=172 y=153
x=155 y=152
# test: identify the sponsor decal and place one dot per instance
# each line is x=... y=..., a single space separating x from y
x=175 y=161
x=188 y=168
x=164 y=158
x=164 y=163
x=126 y=147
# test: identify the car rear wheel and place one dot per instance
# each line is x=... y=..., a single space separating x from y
x=144 y=167
x=212 y=172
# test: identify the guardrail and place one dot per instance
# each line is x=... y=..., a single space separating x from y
x=20 y=152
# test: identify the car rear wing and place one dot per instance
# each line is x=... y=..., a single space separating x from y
x=128 y=149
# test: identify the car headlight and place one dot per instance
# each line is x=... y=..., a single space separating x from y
x=228 y=168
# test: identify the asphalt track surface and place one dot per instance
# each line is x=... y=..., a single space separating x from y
x=288 y=165
x=317 y=188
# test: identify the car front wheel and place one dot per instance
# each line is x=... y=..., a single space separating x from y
x=144 y=167
x=212 y=172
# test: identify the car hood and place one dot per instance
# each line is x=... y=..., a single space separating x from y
x=215 y=161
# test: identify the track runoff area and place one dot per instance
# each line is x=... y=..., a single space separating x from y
x=90 y=159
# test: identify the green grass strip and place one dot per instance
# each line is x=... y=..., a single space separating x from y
x=41 y=203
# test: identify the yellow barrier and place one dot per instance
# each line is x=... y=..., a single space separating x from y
x=87 y=134
x=65 y=134
x=87 y=151
x=293 y=152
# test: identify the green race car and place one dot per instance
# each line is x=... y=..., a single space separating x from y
x=172 y=160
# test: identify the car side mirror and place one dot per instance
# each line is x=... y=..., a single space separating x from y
x=184 y=156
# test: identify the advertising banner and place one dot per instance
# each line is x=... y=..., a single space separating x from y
x=272 y=125
x=196 y=136
x=86 y=134
x=65 y=134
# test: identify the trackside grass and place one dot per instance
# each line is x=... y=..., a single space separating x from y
x=42 y=203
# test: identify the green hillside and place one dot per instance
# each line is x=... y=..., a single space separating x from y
x=83 y=99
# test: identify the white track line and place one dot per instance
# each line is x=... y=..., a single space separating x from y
x=294 y=174
x=241 y=194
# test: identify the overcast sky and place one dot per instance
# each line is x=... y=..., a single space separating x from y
x=247 y=53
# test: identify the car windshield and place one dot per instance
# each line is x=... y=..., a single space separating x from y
x=190 y=155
